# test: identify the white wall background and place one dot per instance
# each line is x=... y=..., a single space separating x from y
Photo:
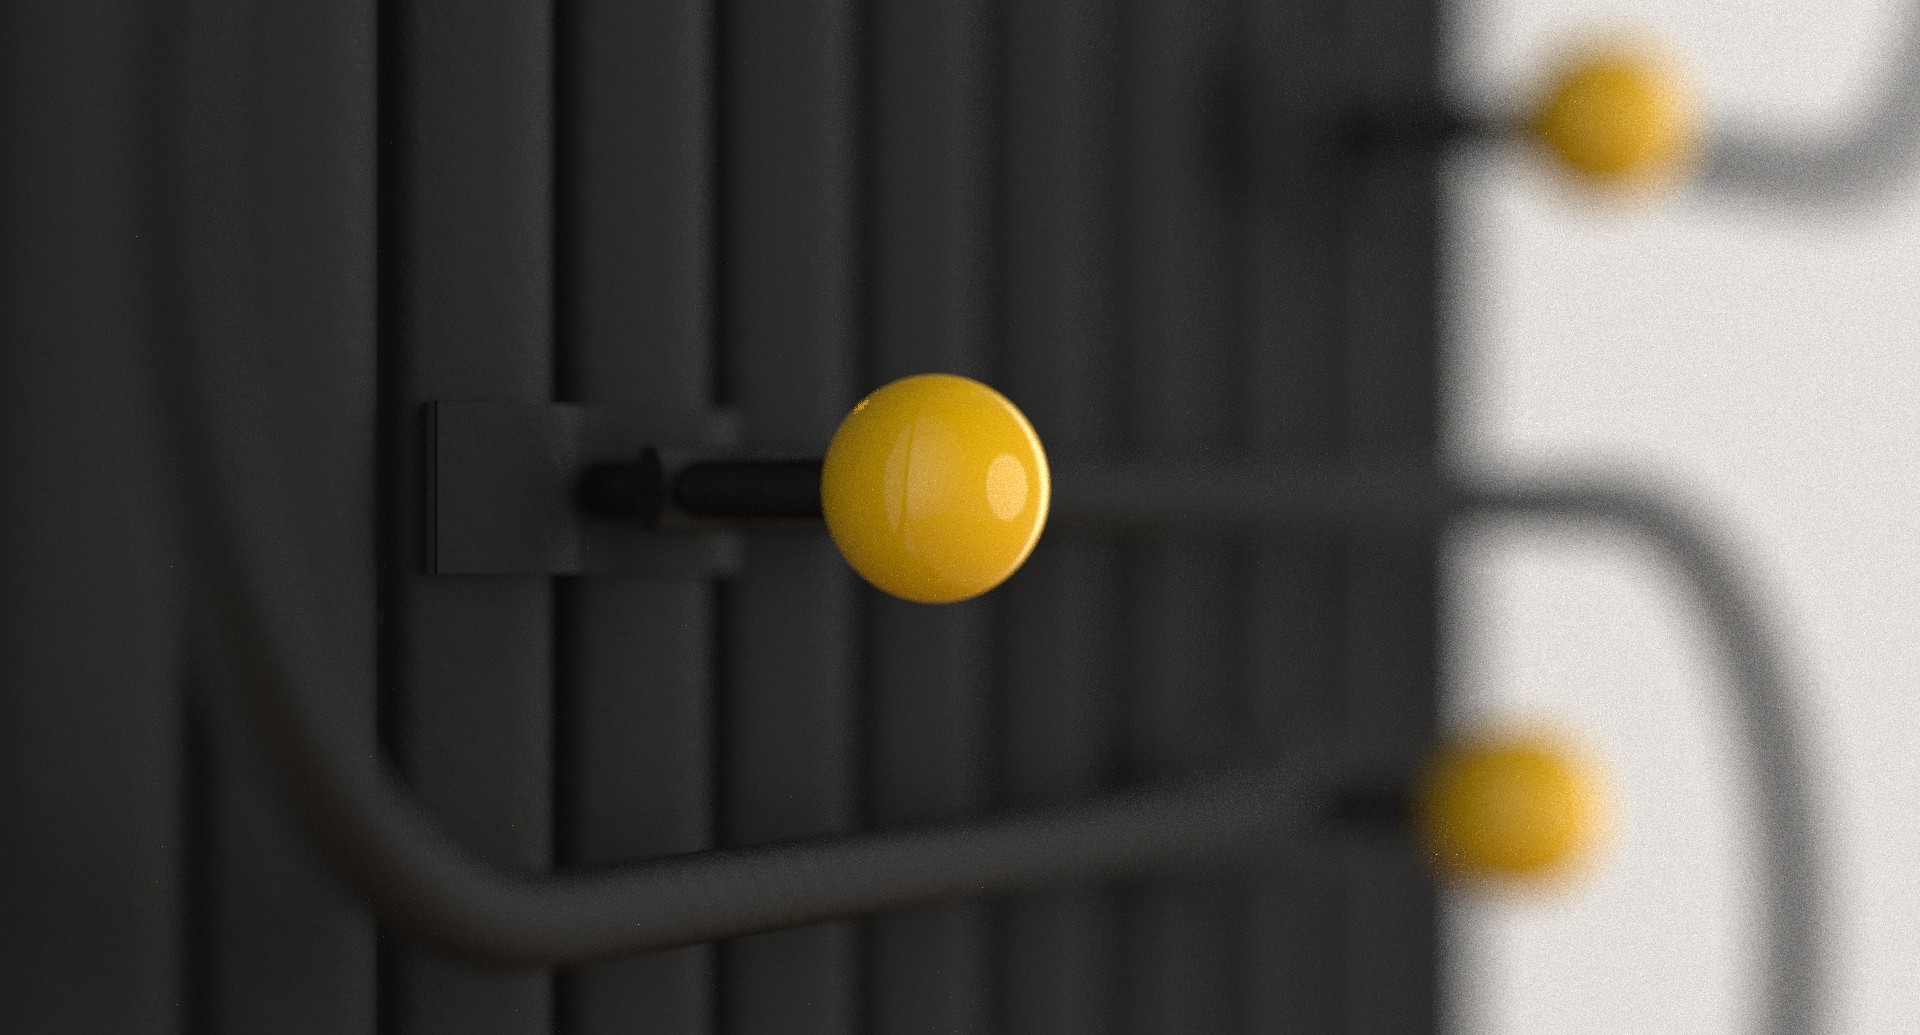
x=1771 y=361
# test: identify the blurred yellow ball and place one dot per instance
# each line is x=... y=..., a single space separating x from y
x=1518 y=806
x=1619 y=117
x=935 y=488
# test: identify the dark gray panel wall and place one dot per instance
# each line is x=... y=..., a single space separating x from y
x=1128 y=214
x=271 y=265
x=1059 y=697
x=467 y=281
x=90 y=760
x=635 y=695
x=1180 y=695
x=789 y=291
x=930 y=263
x=188 y=194
x=1390 y=357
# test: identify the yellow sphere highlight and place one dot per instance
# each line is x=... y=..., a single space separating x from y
x=935 y=488
x=1509 y=807
x=1619 y=117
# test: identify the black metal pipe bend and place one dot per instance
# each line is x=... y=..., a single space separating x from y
x=259 y=649
x=1389 y=502
x=1860 y=158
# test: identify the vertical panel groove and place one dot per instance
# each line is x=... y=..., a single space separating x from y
x=196 y=970
x=390 y=469
x=790 y=295
x=635 y=169
x=565 y=713
x=1293 y=412
x=473 y=316
x=719 y=188
x=271 y=128
x=1181 y=309
x=929 y=307
x=1060 y=972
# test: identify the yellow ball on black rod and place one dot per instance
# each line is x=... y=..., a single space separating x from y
x=935 y=488
x=1490 y=809
x=1514 y=807
x=1616 y=116
x=1619 y=116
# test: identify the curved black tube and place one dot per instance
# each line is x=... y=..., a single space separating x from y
x=1413 y=501
x=259 y=649
x=430 y=887
x=1871 y=153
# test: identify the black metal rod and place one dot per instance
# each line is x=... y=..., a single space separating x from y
x=636 y=490
x=750 y=490
x=1413 y=126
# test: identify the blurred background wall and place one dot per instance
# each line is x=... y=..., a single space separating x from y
x=1769 y=361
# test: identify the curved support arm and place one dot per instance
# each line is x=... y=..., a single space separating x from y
x=431 y=887
x=1870 y=155
x=1386 y=502
x=259 y=648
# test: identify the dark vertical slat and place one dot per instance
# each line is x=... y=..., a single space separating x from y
x=1297 y=944
x=1181 y=609
x=1392 y=952
x=280 y=180
x=930 y=750
x=929 y=258
x=1294 y=410
x=471 y=269
x=635 y=254
x=89 y=720
x=1392 y=600
x=929 y=178
x=788 y=289
x=1059 y=970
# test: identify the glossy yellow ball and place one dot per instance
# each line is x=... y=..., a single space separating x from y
x=1509 y=807
x=1619 y=117
x=935 y=488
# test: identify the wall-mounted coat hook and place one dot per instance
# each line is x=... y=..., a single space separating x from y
x=1622 y=116
x=935 y=489
x=260 y=649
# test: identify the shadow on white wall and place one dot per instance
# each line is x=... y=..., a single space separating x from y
x=1770 y=359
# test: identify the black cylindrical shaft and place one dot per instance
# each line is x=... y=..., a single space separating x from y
x=750 y=490
x=1409 y=126
x=1376 y=808
x=634 y=490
